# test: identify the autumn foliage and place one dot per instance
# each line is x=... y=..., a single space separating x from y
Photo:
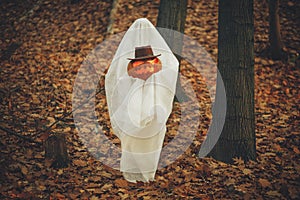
x=43 y=44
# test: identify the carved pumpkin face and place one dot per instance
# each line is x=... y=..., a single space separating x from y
x=143 y=69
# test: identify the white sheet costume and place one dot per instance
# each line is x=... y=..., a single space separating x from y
x=139 y=109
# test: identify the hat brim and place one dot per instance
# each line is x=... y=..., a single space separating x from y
x=144 y=57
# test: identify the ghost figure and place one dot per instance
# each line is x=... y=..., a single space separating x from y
x=140 y=87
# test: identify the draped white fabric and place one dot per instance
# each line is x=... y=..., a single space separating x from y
x=139 y=109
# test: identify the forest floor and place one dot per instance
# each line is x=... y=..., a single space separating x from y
x=43 y=44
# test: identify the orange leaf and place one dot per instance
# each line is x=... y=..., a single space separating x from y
x=80 y=163
x=121 y=183
x=296 y=150
x=60 y=196
x=264 y=182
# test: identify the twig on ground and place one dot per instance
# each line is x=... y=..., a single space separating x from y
x=29 y=139
x=47 y=129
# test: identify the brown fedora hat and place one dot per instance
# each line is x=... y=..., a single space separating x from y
x=143 y=52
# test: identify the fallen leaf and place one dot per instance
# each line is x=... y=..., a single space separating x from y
x=264 y=182
x=230 y=181
x=273 y=193
x=80 y=163
x=296 y=150
x=247 y=171
x=60 y=171
x=42 y=187
x=60 y=196
x=106 y=186
x=121 y=183
x=94 y=198
x=24 y=170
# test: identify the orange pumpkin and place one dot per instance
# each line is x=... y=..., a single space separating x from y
x=143 y=69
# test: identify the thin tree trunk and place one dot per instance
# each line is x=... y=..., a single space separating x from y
x=274 y=30
x=236 y=66
x=172 y=15
x=56 y=149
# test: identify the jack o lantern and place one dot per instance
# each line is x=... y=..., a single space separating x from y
x=144 y=64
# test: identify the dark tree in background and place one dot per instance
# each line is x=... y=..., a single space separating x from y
x=236 y=65
x=276 y=45
x=172 y=15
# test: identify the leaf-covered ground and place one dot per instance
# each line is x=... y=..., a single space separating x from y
x=43 y=44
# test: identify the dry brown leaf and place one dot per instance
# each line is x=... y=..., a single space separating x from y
x=247 y=171
x=38 y=156
x=106 y=174
x=296 y=150
x=42 y=187
x=92 y=185
x=264 y=182
x=60 y=196
x=121 y=183
x=238 y=161
x=24 y=170
x=80 y=163
x=273 y=193
x=94 y=198
x=60 y=171
x=96 y=178
x=230 y=181
x=106 y=187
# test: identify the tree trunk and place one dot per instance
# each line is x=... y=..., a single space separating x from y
x=172 y=16
x=276 y=45
x=236 y=66
x=56 y=149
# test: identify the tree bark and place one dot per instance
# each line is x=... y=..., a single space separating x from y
x=172 y=15
x=236 y=66
x=56 y=149
x=276 y=44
